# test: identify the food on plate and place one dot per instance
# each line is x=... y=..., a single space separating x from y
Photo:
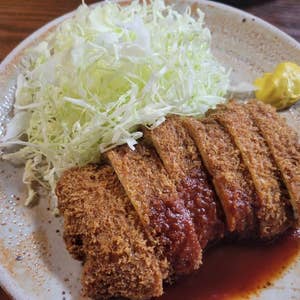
x=182 y=161
x=281 y=88
x=160 y=207
x=230 y=176
x=109 y=114
x=136 y=227
x=119 y=260
x=99 y=75
x=284 y=145
x=271 y=201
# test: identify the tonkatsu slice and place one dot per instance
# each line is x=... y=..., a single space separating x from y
x=158 y=204
x=231 y=177
x=119 y=261
x=272 y=209
x=284 y=146
x=182 y=161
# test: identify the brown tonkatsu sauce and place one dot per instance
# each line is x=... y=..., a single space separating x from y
x=160 y=208
x=172 y=221
x=181 y=159
x=201 y=201
x=238 y=270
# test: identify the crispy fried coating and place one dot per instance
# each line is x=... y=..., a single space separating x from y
x=72 y=210
x=73 y=235
x=284 y=145
x=182 y=161
x=271 y=200
x=120 y=262
x=231 y=178
x=156 y=200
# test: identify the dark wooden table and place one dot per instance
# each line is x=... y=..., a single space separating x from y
x=19 y=18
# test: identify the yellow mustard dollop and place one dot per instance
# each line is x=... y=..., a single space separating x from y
x=281 y=88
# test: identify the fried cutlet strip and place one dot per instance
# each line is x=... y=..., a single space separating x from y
x=156 y=200
x=72 y=210
x=256 y=154
x=119 y=261
x=182 y=161
x=73 y=236
x=285 y=148
x=231 y=178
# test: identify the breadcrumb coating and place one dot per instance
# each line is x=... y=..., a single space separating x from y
x=182 y=161
x=231 y=178
x=159 y=206
x=284 y=146
x=271 y=200
x=119 y=261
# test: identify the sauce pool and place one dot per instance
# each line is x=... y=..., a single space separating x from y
x=237 y=270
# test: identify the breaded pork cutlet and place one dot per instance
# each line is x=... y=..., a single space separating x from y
x=231 y=178
x=156 y=200
x=271 y=200
x=119 y=260
x=182 y=161
x=284 y=145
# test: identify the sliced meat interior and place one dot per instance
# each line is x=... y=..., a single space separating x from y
x=284 y=146
x=271 y=202
x=119 y=261
x=158 y=204
x=231 y=178
x=182 y=161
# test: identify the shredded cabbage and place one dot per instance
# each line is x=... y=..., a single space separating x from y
x=100 y=74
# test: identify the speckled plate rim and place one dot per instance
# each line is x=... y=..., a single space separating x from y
x=6 y=282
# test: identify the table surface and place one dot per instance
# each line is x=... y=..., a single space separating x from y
x=19 y=18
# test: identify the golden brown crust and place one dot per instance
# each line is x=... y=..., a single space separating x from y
x=160 y=209
x=230 y=176
x=285 y=148
x=257 y=157
x=175 y=147
x=182 y=161
x=119 y=260
x=73 y=236
x=72 y=210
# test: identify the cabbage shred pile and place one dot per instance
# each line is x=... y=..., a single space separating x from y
x=100 y=74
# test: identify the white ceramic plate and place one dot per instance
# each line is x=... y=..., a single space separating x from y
x=33 y=261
